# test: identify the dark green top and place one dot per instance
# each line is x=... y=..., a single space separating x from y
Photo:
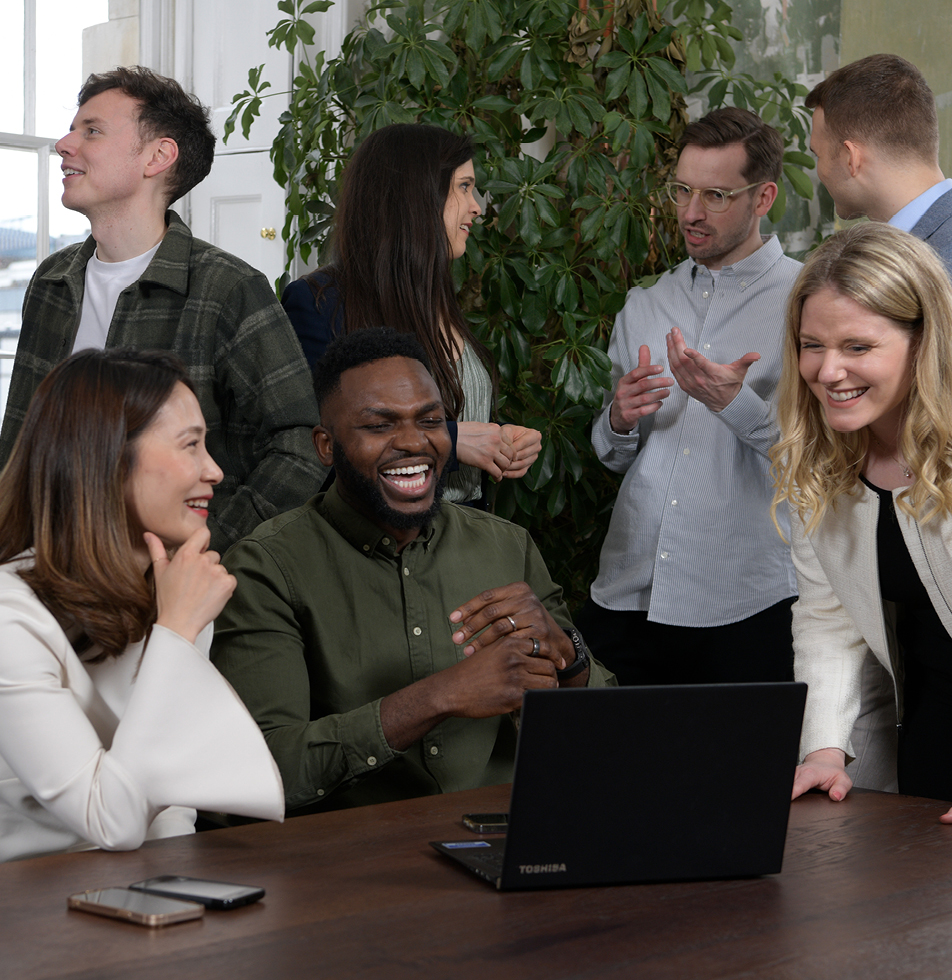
x=222 y=319
x=327 y=619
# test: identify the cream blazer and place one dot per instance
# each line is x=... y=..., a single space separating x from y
x=842 y=630
x=109 y=754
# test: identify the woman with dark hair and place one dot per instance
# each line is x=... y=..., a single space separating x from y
x=113 y=724
x=865 y=464
x=406 y=208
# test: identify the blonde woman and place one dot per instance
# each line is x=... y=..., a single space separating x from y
x=865 y=464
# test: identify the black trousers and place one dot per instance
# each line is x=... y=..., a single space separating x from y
x=759 y=648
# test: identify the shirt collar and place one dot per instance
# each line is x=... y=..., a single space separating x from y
x=366 y=536
x=170 y=264
x=748 y=270
x=168 y=268
x=905 y=219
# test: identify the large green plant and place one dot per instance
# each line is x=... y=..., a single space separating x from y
x=576 y=108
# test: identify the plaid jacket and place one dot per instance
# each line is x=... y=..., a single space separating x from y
x=222 y=318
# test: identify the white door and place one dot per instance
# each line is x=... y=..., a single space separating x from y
x=238 y=207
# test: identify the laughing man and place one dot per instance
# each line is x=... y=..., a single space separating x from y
x=379 y=638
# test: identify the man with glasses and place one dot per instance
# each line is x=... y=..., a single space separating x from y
x=876 y=140
x=694 y=583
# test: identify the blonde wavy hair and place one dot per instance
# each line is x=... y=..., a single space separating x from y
x=895 y=275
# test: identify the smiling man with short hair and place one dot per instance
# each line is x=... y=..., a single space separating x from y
x=138 y=143
x=381 y=638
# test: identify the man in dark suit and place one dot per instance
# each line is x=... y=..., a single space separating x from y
x=876 y=140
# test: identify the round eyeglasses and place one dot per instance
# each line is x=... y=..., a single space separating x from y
x=712 y=198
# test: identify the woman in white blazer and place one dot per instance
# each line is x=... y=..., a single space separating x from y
x=114 y=726
x=865 y=464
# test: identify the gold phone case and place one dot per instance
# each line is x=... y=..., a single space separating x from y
x=132 y=906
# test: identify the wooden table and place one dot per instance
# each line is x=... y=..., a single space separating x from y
x=866 y=891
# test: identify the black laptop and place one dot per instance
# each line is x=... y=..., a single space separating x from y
x=634 y=784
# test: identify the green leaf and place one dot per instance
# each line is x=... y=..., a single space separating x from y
x=660 y=96
x=614 y=59
x=800 y=159
x=493 y=103
x=616 y=81
x=717 y=93
x=799 y=181
x=659 y=41
x=556 y=502
x=668 y=74
x=639 y=31
x=416 y=70
x=693 y=55
x=779 y=206
x=637 y=95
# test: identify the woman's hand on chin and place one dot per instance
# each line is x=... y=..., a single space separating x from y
x=191 y=587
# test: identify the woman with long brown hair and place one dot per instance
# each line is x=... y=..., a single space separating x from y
x=113 y=724
x=865 y=464
x=406 y=210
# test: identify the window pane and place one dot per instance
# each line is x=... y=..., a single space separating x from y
x=59 y=59
x=11 y=68
x=17 y=251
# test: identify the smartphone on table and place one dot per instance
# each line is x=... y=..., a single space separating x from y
x=486 y=823
x=135 y=906
x=220 y=895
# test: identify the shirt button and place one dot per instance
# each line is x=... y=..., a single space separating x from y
x=434 y=750
x=406 y=571
x=674 y=503
x=366 y=547
x=664 y=554
x=372 y=760
x=320 y=792
x=705 y=294
x=707 y=346
x=743 y=284
x=687 y=452
x=417 y=631
x=385 y=540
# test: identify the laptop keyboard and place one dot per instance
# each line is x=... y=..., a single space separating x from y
x=491 y=861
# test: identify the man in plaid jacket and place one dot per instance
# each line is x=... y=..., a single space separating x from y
x=141 y=280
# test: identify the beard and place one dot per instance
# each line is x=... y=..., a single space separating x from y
x=368 y=494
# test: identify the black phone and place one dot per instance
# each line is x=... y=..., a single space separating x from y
x=486 y=823
x=221 y=895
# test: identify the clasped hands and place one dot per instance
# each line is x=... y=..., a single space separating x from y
x=510 y=643
x=641 y=392
x=503 y=451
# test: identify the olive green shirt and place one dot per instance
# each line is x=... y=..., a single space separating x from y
x=328 y=619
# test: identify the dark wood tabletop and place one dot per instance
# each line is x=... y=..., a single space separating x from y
x=866 y=891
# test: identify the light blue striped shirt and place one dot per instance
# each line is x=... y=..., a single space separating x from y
x=690 y=539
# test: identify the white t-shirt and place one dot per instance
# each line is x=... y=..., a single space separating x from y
x=104 y=282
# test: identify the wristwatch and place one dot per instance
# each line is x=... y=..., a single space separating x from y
x=581 y=655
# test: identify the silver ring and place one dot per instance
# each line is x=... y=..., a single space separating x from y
x=512 y=623
x=536 y=646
